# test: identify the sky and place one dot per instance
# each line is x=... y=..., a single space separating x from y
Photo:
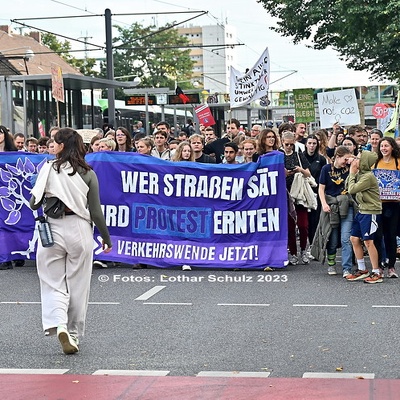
x=292 y=66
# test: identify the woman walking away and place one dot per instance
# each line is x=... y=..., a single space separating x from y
x=65 y=268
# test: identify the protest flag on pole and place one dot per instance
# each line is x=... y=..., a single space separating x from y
x=182 y=95
x=252 y=85
x=392 y=129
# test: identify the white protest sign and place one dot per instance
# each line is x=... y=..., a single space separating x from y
x=252 y=85
x=87 y=134
x=338 y=106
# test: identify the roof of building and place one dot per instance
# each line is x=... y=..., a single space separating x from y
x=13 y=49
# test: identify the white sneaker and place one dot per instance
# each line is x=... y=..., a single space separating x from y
x=68 y=344
x=332 y=270
x=186 y=268
x=100 y=264
x=304 y=257
x=346 y=273
x=293 y=260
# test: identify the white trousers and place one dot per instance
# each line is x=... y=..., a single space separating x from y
x=64 y=271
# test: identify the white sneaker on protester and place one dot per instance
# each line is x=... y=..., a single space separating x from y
x=293 y=260
x=186 y=268
x=304 y=257
x=68 y=344
x=346 y=273
x=100 y=264
x=332 y=270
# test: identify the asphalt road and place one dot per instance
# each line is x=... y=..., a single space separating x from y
x=284 y=323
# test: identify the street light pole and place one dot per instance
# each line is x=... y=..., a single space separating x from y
x=110 y=67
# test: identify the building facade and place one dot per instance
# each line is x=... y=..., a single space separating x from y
x=213 y=58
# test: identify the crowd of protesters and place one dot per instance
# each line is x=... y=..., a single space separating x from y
x=324 y=156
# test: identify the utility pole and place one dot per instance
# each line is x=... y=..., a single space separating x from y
x=110 y=67
x=85 y=39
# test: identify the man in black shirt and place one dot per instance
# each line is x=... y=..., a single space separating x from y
x=197 y=143
x=217 y=146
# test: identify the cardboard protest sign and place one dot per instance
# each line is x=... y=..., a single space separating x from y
x=87 y=134
x=338 y=106
x=304 y=105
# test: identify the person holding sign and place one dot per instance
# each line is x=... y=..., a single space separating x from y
x=389 y=159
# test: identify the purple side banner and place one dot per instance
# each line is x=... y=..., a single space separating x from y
x=166 y=214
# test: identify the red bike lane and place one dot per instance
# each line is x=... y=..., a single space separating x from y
x=88 y=387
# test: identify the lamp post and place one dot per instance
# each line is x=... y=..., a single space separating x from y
x=29 y=54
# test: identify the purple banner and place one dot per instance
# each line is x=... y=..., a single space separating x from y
x=18 y=236
x=164 y=213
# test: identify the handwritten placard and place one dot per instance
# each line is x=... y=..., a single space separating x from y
x=304 y=105
x=338 y=106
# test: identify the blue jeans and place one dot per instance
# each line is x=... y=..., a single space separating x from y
x=344 y=230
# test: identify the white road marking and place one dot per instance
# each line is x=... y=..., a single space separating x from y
x=243 y=304
x=126 y=372
x=169 y=304
x=385 y=306
x=150 y=293
x=4 y=371
x=233 y=374
x=101 y=303
x=20 y=302
x=319 y=305
x=338 y=375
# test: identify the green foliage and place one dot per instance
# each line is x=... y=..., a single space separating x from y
x=365 y=33
x=145 y=52
x=85 y=66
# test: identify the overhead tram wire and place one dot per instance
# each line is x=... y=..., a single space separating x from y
x=57 y=34
x=99 y=47
x=137 y=48
x=117 y=15
x=168 y=27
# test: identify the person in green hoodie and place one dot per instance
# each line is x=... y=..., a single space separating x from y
x=362 y=183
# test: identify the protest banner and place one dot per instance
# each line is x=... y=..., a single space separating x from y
x=338 y=106
x=165 y=213
x=252 y=85
x=304 y=109
x=389 y=184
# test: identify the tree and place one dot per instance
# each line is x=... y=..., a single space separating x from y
x=365 y=33
x=85 y=66
x=157 y=56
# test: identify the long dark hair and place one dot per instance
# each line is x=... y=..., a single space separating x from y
x=128 y=143
x=352 y=141
x=73 y=152
x=8 y=139
x=313 y=137
x=393 y=144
